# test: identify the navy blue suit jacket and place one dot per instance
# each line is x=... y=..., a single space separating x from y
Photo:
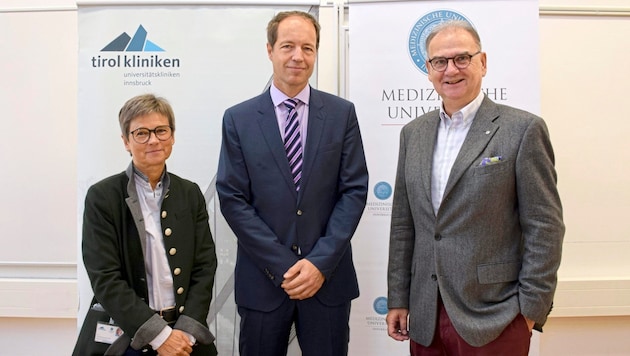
x=271 y=220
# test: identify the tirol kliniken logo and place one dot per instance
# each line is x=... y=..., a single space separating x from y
x=420 y=31
x=131 y=45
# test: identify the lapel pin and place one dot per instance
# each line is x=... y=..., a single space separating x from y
x=487 y=132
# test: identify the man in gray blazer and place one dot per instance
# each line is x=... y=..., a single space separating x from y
x=476 y=230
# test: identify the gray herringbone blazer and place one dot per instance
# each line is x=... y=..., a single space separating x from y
x=493 y=250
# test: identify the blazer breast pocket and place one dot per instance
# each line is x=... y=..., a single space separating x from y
x=491 y=168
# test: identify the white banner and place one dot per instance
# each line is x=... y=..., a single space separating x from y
x=203 y=59
x=389 y=86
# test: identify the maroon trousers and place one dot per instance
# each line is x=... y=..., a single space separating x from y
x=513 y=341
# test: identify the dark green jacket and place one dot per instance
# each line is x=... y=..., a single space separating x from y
x=113 y=244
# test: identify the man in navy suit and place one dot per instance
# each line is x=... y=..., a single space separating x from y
x=293 y=195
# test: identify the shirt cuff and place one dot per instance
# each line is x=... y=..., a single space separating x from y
x=161 y=337
x=190 y=337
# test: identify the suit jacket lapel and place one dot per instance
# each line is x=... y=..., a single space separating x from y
x=132 y=200
x=271 y=133
x=481 y=131
x=316 y=119
x=428 y=130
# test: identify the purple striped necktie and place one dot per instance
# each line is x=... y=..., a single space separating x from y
x=293 y=141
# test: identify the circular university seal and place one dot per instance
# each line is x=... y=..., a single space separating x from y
x=382 y=190
x=380 y=305
x=420 y=31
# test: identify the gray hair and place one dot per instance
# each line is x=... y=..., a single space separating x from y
x=142 y=105
x=453 y=24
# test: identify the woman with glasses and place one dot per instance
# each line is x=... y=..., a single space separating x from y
x=147 y=248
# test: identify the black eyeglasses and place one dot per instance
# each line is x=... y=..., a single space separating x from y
x=461 y=61
x=142 y=135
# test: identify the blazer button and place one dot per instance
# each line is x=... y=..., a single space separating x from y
x=299 y=212
x=172 y=251
x=168 y=231
x=180 y=290
x=181 y=309
x=438 y=237
x=433 y=277
x=294 y=247
x=177 y=271
x=164 y=214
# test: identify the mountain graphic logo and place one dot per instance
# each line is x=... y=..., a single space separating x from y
x=138 y=43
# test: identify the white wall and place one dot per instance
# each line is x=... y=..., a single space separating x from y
x=584 y=89
x=584 y=80
x=583 y=93
x=38 y=72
